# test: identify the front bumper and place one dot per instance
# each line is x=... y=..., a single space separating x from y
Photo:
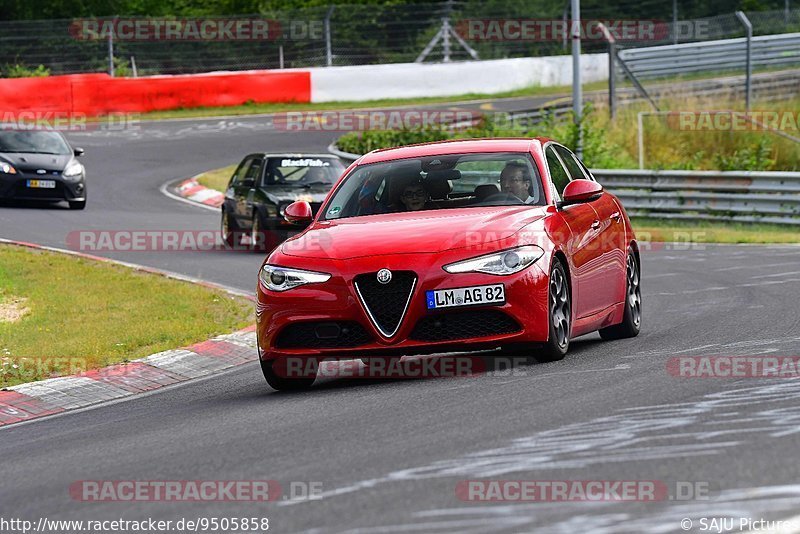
x=14 y=186
x=337 y=302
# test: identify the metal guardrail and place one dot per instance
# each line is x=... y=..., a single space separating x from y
x=742 y=196
x=770 y=51
x=739 y=196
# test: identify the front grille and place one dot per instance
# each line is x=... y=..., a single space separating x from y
x=464 y=325
x=386 y=304
x=322 y=335
x=23 y=190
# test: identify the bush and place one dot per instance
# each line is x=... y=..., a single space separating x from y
x=21 y=71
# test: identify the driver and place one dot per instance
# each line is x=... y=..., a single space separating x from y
x=413 y=197
x=515 y=179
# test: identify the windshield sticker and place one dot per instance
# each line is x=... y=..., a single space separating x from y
x=304 y=163
x=334 y=211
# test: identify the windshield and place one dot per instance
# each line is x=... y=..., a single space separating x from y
x=38 y=142
x=438 y=182
x=301 y=172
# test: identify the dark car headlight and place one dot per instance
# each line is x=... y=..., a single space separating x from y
x=283 y=278
x=73 y=171
x=501 y=263
x=7 y=168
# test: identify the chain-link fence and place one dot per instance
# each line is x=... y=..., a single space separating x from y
x=357 y=35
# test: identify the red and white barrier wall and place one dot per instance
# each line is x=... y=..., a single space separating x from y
x=96 y=94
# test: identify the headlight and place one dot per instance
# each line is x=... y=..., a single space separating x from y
x=283 y=279
x=7 y=168
x=502 y=263
x=73 y=169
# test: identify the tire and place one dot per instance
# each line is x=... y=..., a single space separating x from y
x=632 y=319
x=229 y=230
x=77 y=204
x=559 y=299
x=282 y=383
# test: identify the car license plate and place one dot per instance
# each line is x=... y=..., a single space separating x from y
x=466 y=296
x=42 y=184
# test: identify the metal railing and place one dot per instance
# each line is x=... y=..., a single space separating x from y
x=769 y=51
x=742 y=196
x=342 y=34
x=736 y=196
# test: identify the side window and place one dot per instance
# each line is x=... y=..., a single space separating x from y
x=241 y=170
x=254 y=171
x=575 y=172
x=557 y=172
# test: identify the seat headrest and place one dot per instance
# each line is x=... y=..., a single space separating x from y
x=484 y=191
x=438 y=189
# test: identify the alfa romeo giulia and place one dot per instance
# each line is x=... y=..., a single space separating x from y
x=457 y=245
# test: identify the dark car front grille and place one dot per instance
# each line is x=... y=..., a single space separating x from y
x=464 y=325
x=322 y=335
x=23 y=191
x=386 y=303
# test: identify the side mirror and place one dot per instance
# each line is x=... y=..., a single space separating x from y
x=248 y=183
x=77 y=151
x=298 y=213
x=580 y=191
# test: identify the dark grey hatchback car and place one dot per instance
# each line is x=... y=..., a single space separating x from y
x=41 y=165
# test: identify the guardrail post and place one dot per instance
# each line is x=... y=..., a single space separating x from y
x=748 y=77
x=111 y=50
x=612 y=54
x=328 y=48
x=577 y=96
x=640 y=137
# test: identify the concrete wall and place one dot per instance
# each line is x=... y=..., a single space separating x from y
x=412 y=80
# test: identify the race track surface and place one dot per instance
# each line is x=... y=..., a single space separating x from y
x=389 y=454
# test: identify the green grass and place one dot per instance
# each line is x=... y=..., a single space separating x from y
x=86 y=314
x=257 y=108
x=713 y=232
x=217 y=178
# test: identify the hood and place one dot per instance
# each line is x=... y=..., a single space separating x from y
x=287 y=195
x=32 y=162
x=406 y=233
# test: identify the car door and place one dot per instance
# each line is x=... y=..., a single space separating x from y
x=611 y=271
x=246 y=190
x=581 y=245
x=230 y=202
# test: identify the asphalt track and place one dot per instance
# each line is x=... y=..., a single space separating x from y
x=389 y=454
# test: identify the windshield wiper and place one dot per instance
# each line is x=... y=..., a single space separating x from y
x=309 y=185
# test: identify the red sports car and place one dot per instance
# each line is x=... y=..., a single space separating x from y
x=458 y=245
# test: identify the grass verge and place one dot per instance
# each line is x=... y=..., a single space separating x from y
x=217 y=178
x=82 y=314
x=713 y=232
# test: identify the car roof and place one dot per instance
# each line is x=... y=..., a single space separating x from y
x=455 y=146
